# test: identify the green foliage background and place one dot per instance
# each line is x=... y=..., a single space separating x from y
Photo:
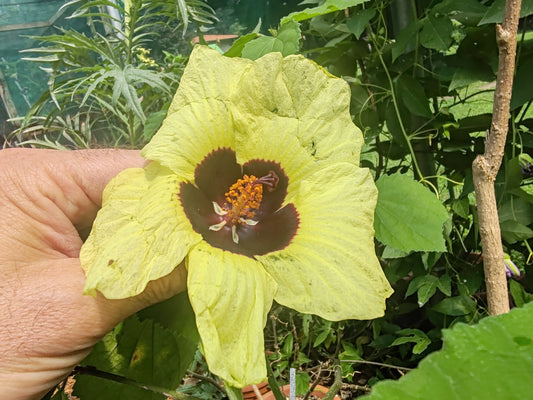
x=422 y=78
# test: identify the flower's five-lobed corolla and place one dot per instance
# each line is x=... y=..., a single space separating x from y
x=254 y=183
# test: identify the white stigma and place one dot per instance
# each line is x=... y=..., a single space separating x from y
x=218 y=209
x=248 y=221
x=234 y=235
x=218 y=226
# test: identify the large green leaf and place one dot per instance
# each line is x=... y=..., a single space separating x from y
x=408 y=216
x=144 y=352
x=287 y=42
x=359 y=20
x=491 y=360
x=176 y=315
x=413 y=96
x=436 y=32
x=325 y=8
x=406 y=39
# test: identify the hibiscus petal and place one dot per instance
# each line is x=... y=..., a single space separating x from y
x=231 y=295
x=189 y=134
x=272 y=138
x=199 y=119
x=139 y=235
x=273 y=232
x=330 y=267
x=299 y=89
x=216 y=173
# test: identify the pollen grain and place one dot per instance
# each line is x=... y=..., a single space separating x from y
x=243 y=198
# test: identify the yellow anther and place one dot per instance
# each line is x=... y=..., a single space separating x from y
x=243 y=198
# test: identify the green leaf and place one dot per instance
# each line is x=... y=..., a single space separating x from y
x=466 y=76
x=408 y=215
x=349 y=352
x=467 y=12
x=445 y=284
x=236 y=48
x=233 y=392
x=287 y=41
x=413 y=96
x=514 y=231
x=176 y=315
x=436 y=32
x=144 y=352
x=327 y=7
x=153 y=123
x=421 y=340
x=491 y=360
x=455 y=306
x=520 y=296
x=359 y=20
x=522 y=84
x=425 y=286
x=406 y=39
x=302 y=383
x=323 y=335
x=391 y=252
x=494 y=14
x=516 y=210
x=288 y=345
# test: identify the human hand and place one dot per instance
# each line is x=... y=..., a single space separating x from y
x=47 y=325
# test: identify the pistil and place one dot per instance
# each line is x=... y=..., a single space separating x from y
x=243 y=198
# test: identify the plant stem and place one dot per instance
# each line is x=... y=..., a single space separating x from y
x=486 y=166
x=273 y=383
x=88 y=370
x=337 y=384
x=207 y=379
x=378 y=364
x=398 y=115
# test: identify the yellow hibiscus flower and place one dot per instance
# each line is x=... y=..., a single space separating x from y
x=254 y=182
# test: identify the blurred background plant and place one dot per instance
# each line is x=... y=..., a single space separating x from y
x=104 y=86
x=422 y=78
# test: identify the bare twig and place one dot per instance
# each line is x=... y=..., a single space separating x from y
x=205 y=378
x=337 y=384
x=486 y=166
x=378 y=364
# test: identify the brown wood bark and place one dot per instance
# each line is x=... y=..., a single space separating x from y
x=486 y=166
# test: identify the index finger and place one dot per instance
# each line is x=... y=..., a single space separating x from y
x=72 y=180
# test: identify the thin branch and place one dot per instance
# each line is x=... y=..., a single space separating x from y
x=337 y=384
x=208 y=379
x=486 y=166
x=378 y=364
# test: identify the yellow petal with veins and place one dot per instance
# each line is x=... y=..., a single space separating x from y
x=199 y=119
x=231 y=295
x=315 y=104
x=330 y=268
x=139 y=235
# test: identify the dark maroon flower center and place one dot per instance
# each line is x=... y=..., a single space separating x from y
x=239 y=208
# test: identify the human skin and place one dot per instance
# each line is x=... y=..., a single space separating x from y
x=47 y=326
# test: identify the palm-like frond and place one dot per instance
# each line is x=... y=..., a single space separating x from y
x=99 y=74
